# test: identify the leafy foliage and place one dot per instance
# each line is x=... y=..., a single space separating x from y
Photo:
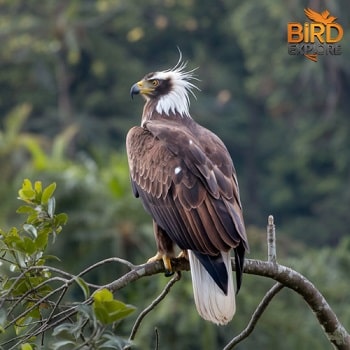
x=31 y=289
x=23 y=252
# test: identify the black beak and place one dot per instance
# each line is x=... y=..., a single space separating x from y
x=135 y=90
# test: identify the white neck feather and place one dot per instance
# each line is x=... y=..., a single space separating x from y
x=177 y=100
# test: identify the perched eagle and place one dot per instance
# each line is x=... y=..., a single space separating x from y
x=186 y=180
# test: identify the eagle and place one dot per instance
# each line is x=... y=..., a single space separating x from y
x=186 y=180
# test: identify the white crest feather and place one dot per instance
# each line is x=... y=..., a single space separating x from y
x=177 y=100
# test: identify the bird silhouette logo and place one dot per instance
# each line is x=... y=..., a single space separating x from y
x=323 y=17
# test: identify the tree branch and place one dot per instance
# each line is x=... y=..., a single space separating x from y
x=271 y=241
x=287 y=277
x=334 y=330
x=256 y=316
x=150 y=307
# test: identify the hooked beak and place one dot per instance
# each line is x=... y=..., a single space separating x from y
x=135 y=90
x=142 y=87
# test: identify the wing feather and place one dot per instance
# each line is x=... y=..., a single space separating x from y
x=186 y=181
x=221 y=223
x=181 y=224
x=209 y=247
x=219 y=240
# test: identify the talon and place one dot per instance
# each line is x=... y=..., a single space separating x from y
x=166 y=262
x=168 y=273
x=183 y=254
x=157 y=257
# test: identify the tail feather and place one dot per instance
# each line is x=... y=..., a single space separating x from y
x=211 y=302
x=216 y=268
x=239 y=260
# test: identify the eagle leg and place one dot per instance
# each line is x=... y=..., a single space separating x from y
x=165 y=248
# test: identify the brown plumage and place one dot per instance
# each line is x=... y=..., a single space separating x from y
x=186 y=180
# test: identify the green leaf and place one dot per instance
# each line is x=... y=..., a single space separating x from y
x=26 y=346
x=48 y=192
x=17 y=243
x=31 y=230
x=27 y=185
x=38 y=187
x=32 y=218
x=84 y=287
x=111 y=341
x=51 y=205
x=22 y=324
x=109 y=310
x=101 y=314
x=28 y=246
x=27 y=193
x=51 y=257
x=35 y=313
x=61 y=219
x=10 y=236
x=42 y=240
x=26 y=284
x=119 y=310
x=63 y=330
x=25 y=209
x=103 y=295
x=20 y=288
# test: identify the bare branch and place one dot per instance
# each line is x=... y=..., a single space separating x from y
x=334 y=330
x=154 y=303
x=105 y=261
x=271 y=241
x=57 y=303
x=157 y=338
x=256 y=316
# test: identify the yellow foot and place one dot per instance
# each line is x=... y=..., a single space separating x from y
x=166 y=262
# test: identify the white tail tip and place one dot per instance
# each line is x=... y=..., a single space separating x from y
x=211 y=302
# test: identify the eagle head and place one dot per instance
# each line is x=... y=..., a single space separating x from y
x=168 y=91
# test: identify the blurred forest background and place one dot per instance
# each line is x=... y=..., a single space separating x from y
x=66 y=68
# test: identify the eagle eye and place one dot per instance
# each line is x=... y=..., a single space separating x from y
x=155 y=82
